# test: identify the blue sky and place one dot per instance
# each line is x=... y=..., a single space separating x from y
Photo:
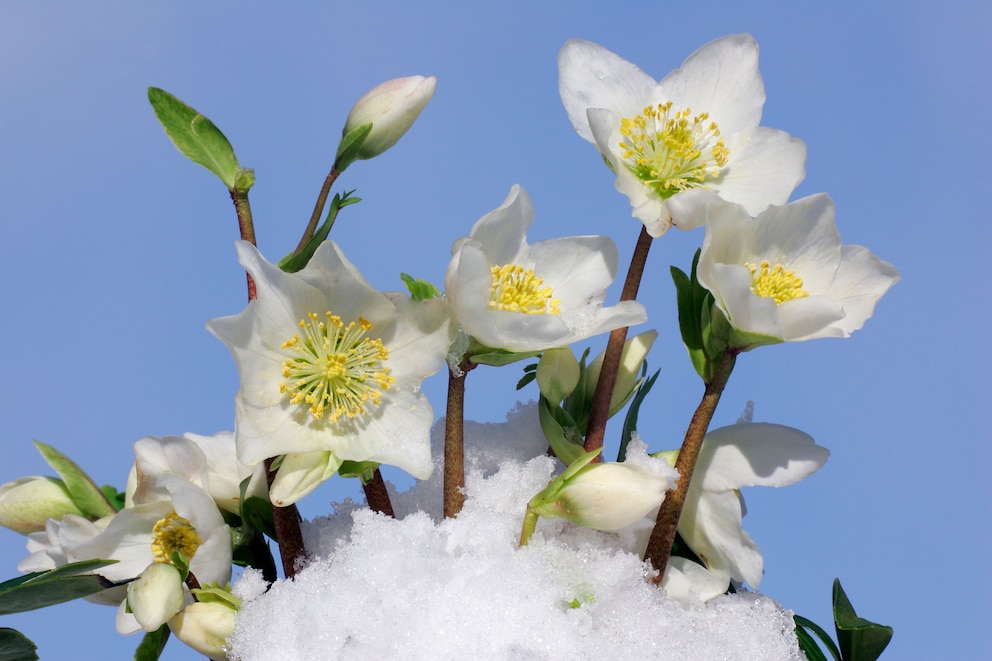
x=116 y=250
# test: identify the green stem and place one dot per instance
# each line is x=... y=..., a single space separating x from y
x=318 y=209
x=600 y=411
x=454 y=440
x=377 y=496
x=663 y=535
x=289 y=536
x=530 y=523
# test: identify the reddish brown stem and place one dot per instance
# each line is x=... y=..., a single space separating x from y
x=318 y=209
x=454 y=440
x=289 y=536
x=377 y=496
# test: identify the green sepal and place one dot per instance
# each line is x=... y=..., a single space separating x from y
x=15 y=646
x=55 y=586
x=420 y=290
x=217 y=594
x=630 y=420
x=556 y=432
x=195 y=136
x=152 y=644
x=255 y=511
x=363 y=470
x=808 y=644
x=180 y=562
x=82 y=489
x=499 y=357
x=294 y=262
x=859 y=639
x=690 y=318
x=350 y=146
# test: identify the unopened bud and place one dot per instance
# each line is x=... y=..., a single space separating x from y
x=557 y=374
x=156 y=595
x=26 y=504
x=635 y=350
x=205 y=626
x=301 y=473
x=391 y=108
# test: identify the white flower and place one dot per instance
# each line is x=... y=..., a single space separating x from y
x=328 y=363
x=156 y=595
x=670 y=142
x=519 y=297
x=206 y=626
x=27 y=503
x=785 y=274
x=391 y=107
x=740 y=455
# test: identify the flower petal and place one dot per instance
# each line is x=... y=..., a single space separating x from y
x=764 y=167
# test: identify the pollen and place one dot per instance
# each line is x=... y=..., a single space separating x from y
x=335 y=370
x=672 y=151
x=517 y=289
x=174 y=533
x=775 y=282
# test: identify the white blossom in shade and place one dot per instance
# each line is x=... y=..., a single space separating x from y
x=690 y=136
x=508 y=294
x=391 y=108
x=785 y=274
x=733 y=457
x=327 y=363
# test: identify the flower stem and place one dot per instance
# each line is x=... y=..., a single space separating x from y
x=318 y=209
x=246 y=227
x=289 y=536
x=600 y=412
x=530 y=523
x=454 y=440
x=377 y=495
x=663 y=535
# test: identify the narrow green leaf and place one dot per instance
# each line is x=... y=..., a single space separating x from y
x=152 y=644
x=859 y=639
x=499 y=357
x=526 y=379
x=15 y=646
x=808 y=646
x=563 y=448
x=820 y=632
x=195 y=136
x=41 y=589
x=292 y=263
x=630 y=421
x=82 y=489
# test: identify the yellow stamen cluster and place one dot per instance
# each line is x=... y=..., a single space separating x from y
x=671 y=152
x=775 y=282
x=335 y=369
x=517 y=289
x=174 y=533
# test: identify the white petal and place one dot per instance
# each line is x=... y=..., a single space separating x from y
x=502 y=232
x=764 y=167
x=688 y=582
x=578 y=269
x=861 y=279
x=711 y=526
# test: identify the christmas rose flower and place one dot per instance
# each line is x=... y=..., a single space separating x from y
x=693 y=134
x=508 y=294
x=327 y=363
x=391 y=108
x=785 y=275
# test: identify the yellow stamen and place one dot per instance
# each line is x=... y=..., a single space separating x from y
x=335 y=368
x=174 y=533
x=517 y=289
x=775 y=282
x=671 y=152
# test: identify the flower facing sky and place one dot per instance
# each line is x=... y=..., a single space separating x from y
x=329 y=364
x=696 y=130
x=510 y=295
x=785 y=273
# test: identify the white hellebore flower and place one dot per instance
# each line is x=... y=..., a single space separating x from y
x=510 y=295
x=156 y=595
x=740 y=455
x=785 y=274
x=391 y=108
x=670 y=142
x=329 y=364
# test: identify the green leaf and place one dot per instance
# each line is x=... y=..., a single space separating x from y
x=808 y=646
x=526 y=379
x=420 y=290
x=564 y=449
x=114 y=497
x=82 y=489
x=801 y=624
x=630 y=421
x=46 y=588
x=256 y=512
x=195 y=136
x=152 y=644
x=15 y=646
x=860 y=639
x=500 y=357
x=363 y=470
x=350 y=146
x=294 y=262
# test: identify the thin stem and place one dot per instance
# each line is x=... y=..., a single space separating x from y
x=663 y=535
x=600 y=412
x=454 y=440
x=289 y=536
x=246 y=227
x=318 y=209
x=377 y=495
x=530 y=523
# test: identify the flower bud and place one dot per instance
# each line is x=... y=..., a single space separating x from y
x=205 y=626
x=635 y=350
x=301 y=473
x=156 y=595
x=557 y=374
x=26 y=504
x=391 y=107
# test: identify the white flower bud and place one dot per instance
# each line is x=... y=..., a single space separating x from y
x=635 y=350
x=156 y=595
x=301 y=473
x=391 y=107
x=26 y=504
x=205 y=626
x=557 y=374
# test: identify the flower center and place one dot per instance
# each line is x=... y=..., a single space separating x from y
x=335 y=369
x=775 y=282
x=517 y=289
x=671 y=152
x=174 y=533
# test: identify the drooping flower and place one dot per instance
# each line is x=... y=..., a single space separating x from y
x=391 y=107
x=691 y=135
x=156 y=595
x=327 y=363
x=740 y=455
x=785 y=274
x=510 y=295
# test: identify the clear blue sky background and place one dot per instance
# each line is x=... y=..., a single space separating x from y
x=115 y=250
